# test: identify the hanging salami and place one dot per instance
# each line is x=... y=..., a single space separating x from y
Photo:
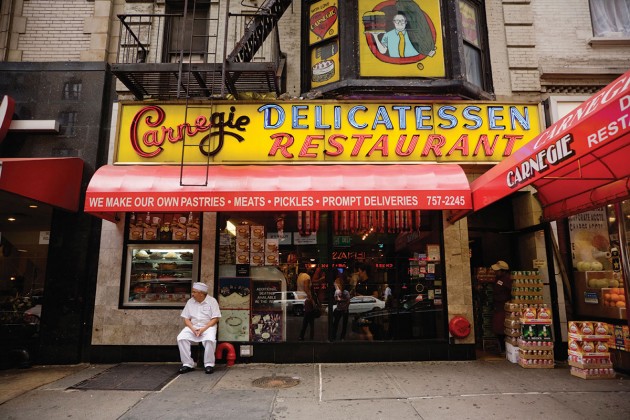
x=299 y=221
x=307 y=222
x=316 y=222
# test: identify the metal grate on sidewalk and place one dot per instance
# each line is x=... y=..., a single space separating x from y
x=131 y=377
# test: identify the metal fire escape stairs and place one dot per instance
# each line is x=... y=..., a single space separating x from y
x=150 y=73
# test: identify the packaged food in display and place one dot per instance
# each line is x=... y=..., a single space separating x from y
x=529 y=312
x=150 y=233
x=242 y=231
x=242 y=257
x=258 y=232
x=543 y=313
x=192 y=231
x=257 y=258
x=544 y=333
x=257 y=245
x=598 y=373
x=135 y=232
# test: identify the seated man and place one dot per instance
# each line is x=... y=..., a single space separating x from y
x=201 y=316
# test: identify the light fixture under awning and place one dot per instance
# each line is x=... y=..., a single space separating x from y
x=138 y=188
x=54 y=181
x=581 y=162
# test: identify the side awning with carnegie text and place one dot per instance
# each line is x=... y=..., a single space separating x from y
x=579 y=163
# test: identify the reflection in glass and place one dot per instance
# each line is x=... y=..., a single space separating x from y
x=395 y=287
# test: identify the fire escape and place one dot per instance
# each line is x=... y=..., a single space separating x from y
x=183 y=55
x=180 y=55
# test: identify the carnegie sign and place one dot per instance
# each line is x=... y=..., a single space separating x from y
x=602 y=119
x=312 y=132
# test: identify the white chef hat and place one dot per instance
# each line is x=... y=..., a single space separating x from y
x=202 y=287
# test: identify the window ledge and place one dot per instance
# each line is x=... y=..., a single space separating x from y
x=609 y=41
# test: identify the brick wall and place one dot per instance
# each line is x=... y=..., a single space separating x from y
x=55 y=30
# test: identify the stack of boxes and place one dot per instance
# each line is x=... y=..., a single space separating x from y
x=536 y=343
x=528 y=322
x=512 y=330
x=485 y=279
x=527 y=288
x=589 y=357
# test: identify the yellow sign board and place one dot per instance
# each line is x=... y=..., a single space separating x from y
x=323 y=131
x=400 y=38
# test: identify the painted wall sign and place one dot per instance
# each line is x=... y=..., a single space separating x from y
x=324 y=42
x=332 y=132
x=400 y=38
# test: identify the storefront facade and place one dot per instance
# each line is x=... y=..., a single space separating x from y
x=53 y=119
x=578 y=167
x=321 y=187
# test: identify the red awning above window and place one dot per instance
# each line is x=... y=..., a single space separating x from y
x=275 y=188
x=579 y=163
x=54 y=181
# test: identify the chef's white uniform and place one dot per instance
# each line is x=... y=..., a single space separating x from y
x=199 y=313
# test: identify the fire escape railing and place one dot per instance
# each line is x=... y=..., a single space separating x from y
x=255 y=62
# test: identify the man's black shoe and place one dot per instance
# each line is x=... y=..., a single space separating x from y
x=209 y=370
x=185 y=369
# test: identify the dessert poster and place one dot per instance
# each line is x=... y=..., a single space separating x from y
x=400 y=38
x=234 y=293
x=234 y=325
x=325 y=63
x=266 y=327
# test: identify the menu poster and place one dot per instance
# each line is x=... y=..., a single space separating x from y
x=590 y=245
x=234 y=293
x=234 y=325
x=264 y=292
x=266 y=327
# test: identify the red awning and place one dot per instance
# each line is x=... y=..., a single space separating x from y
x=54 y=181
x=579 y=163
x=276 y=187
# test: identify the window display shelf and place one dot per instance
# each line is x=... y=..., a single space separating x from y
x=159 y=275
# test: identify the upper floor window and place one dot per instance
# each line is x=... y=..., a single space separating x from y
x=610 y=18
x=67 y=123
x=72 y=90
x=187 y=33
x=471 y=34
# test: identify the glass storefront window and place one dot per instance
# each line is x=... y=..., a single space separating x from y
x=595 y=250
x=388 y=263
x=162 y=259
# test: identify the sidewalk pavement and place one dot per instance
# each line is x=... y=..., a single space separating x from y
x=481 y=389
